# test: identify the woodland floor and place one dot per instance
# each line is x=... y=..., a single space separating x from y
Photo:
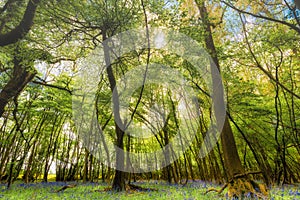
x=193 y=190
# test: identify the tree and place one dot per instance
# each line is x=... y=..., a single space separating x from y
x=20 y=77
x=259 y=66
x=23 y=51
x=274 y=57
x=239 y=182
x=261 y=11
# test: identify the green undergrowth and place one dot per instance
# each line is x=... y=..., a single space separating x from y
x=191 y=191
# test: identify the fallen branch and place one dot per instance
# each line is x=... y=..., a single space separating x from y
x=139 y=188
x=215 y=190
x=66 y=187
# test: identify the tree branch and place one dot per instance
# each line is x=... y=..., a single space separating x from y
x=259 y=66
x=292 y=26
x=24 y=26
x=52 y=86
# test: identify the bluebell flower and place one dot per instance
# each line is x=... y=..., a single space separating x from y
x=248 y=195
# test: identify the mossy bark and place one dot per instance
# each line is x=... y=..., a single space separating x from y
x=245 y=187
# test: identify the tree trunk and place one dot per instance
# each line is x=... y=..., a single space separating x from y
x=238 y=182
x=232 y=160
x=119 y=179
x=21 y=76
x=86 y=166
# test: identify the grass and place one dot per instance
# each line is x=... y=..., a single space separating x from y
x=193 y=190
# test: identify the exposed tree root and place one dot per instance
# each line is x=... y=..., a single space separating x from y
x=66 y=187
x=240 y=186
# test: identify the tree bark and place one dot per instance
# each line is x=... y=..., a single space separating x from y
x=119 y=179
x=24 y=26
x=21 y=76
x=238 y=181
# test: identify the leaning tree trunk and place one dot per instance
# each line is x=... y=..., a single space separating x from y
x=20 y=77
x=239 y=183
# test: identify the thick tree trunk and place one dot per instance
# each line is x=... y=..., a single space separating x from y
x=232 y=161
x=239 y=183
x=20 y=78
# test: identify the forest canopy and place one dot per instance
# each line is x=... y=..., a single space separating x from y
x=128 y=90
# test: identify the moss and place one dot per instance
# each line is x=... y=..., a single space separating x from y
x=241 y=187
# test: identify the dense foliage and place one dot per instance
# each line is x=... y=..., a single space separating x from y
x=255 y=43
